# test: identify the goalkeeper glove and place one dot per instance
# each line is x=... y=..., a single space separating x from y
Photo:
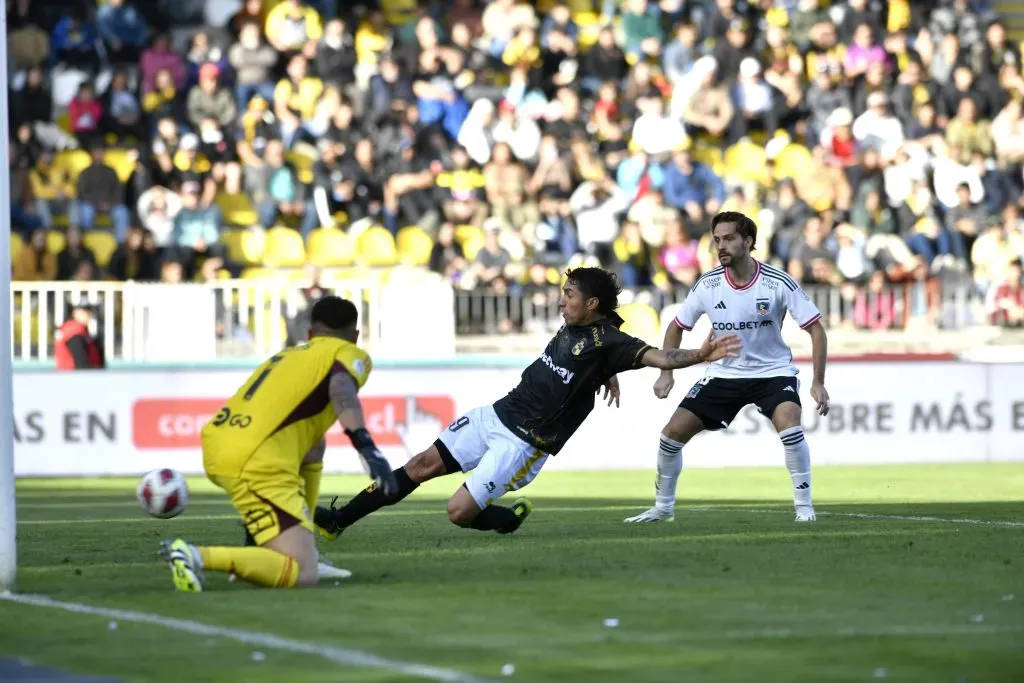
x=374 y=463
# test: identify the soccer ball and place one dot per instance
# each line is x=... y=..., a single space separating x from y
x=162 y=493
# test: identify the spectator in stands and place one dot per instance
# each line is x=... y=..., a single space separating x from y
x=812 y=262
x=294 y=26
x=1007 y=301
x=161 y=57
x=75 y=42
x=216 y=148
x=253 y=63
x=196 y=232
x=390 y=91
x=35 y=262
x=520 y=133
x=52 y=188
x=203 y=51
x=596 y=207
x=447 y=258
x=493 y=262
x=210 y=99
x=157 y=208
x=1008 y=133
x=85 y=114
x=680 y=54
x=336 y=59
x=875 y=308
x=693 y=188
x=634 y=262
x=967 y=134
x=505 y=186
x=604 y=62
x=251 y=12
x=789 y=215
x=75 y=347
x=101 y=193
x=295 y=98
x=134 y=259
x=122 y=113
x=679 y=254
x=123 y=29
x=278 y=193
x=334 y=186
x=1000 y=244
x=73 y=255
x=878 y=129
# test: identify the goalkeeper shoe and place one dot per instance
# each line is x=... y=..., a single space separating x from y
x=655 y=514
x=521 y=508
x=325 y=570
x=186 y=565
x=324 y=521
x=805 y=513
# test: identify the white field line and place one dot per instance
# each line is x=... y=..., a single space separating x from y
x=339 y=655
x=582 y=509
x=358 y=658
x=866 y=515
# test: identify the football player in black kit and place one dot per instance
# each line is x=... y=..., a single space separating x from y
x=504 y=445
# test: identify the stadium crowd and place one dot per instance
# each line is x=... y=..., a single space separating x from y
x=494 y=143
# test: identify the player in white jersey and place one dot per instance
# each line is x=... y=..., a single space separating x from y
x=749 y=299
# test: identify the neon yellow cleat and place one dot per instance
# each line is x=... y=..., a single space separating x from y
x=522 y=508
x=186 y=565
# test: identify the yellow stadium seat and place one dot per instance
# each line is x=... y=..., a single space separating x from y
x=641 y=321
x=257 y=273
x=16 y=245
x=375 y=246
x=122 y=161
x=709 y=155
x=73 y=162
x=232 y=241
x=464 y=233
x=284 y=248
x=56 y=241
x=414 y=246
x=471 y=247
x=102 y=244
x=746 y=161
x=794 y=161
x=237 y=209
x=329 y=247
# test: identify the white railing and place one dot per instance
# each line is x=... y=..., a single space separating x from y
x=236 y=319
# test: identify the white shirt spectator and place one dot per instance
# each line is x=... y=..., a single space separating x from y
x=523 y=137
x=597 y=219
x=657 y=133
x=877 y=128
x=949 y=175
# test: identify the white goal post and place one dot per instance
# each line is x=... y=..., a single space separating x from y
x=8 y=523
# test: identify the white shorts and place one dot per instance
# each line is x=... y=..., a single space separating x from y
x=499 y=461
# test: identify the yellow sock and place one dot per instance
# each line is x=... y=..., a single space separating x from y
x=262 y=566
x=311 y=472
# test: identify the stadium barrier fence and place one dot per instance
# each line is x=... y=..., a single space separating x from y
x=149 y=322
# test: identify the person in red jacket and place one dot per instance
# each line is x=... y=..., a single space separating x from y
x=75 y=347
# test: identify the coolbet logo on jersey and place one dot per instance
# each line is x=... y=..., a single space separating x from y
x=558 y=370
x=743 y=325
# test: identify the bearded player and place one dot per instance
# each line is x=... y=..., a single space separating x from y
x=503 y=446
x=750 y=298
x=266 y=447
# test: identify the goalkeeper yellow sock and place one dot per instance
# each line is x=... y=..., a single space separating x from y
x=311 y=472
x=261 y=566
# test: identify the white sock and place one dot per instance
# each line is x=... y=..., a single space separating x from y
x=670 y=464
x=798 y=462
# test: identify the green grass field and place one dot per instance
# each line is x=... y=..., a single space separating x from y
x=734 y=590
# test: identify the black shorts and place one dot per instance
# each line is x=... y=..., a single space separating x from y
x=717 y=401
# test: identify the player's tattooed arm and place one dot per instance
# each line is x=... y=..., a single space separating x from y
x=343 y=391
x=711 y=350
